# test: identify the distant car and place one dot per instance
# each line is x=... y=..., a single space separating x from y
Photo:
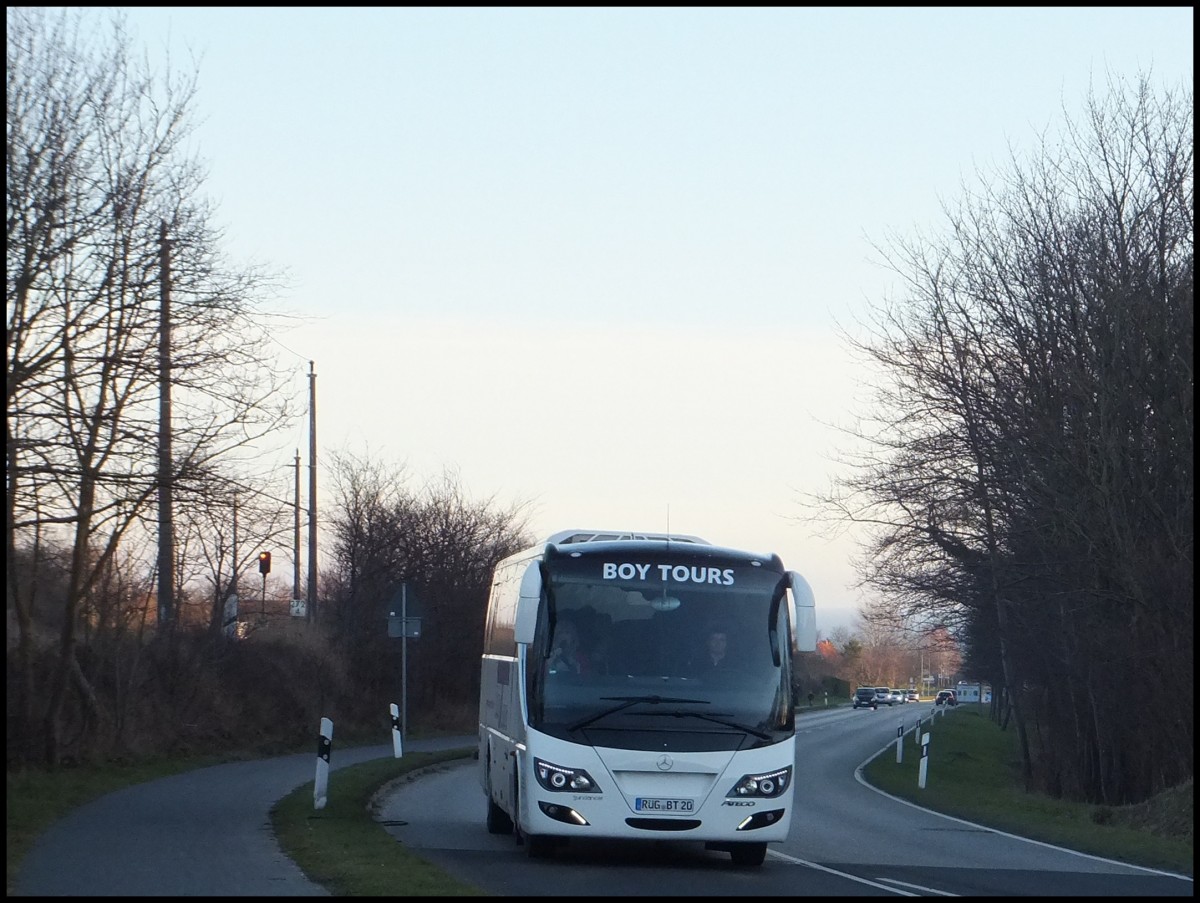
x=912 y=695
x=883 y=695
x=864 y=698
x=897 y=697
x=945 y=697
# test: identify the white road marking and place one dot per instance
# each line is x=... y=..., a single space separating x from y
x=813 y=865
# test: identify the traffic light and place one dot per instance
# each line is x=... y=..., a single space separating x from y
x=264 y=562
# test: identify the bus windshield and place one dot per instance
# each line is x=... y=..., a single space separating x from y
x=638 y=654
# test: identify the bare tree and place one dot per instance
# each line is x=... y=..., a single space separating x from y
x=211 y=558
x=1030 y=482
x=97 y=165
x=439 y=542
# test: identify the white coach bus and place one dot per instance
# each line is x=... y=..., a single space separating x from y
x=627 y=729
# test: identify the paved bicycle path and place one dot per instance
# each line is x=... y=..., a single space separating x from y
x=204 y=832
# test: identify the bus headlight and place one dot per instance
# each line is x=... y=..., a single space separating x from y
x=566 y=780
x=763 y=786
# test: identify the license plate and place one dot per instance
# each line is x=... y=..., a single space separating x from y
x=654 y=804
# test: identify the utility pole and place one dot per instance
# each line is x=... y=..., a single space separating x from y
x=404 y=657
x=166 y=523
x=312 y=493
x=296 y=536
x=233 y=583
x=229 y=613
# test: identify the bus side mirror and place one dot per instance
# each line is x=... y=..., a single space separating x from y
x=527 y=605
x=802 y=606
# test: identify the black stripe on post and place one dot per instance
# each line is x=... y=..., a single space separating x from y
x=323 y=747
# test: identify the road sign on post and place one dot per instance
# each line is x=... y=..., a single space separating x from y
x=404 y=623
x=399 y=626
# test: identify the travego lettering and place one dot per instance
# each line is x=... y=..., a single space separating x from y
x=670 y=573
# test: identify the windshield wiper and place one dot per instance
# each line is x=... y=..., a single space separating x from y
x=716 y=719
x=627 y=701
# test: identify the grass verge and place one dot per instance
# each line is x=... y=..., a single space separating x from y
x=973 y=773
x=343 y=848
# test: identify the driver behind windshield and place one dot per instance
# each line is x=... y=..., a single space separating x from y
x=714 y=656
x=566 y=654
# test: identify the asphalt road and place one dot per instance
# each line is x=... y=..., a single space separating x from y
x=207 y=832
x=847 y=839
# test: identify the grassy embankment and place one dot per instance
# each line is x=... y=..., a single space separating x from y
x=974 y=773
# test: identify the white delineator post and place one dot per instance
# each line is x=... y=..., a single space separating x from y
x=924 y=770
x=397 y=737
x=324 y=746
x=900 y=744
x=917 y=732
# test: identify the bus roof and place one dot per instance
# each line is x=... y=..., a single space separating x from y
x=571 y=536
x=613 y=542
x=597 y=541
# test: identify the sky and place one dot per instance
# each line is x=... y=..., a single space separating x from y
x=599 y=262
